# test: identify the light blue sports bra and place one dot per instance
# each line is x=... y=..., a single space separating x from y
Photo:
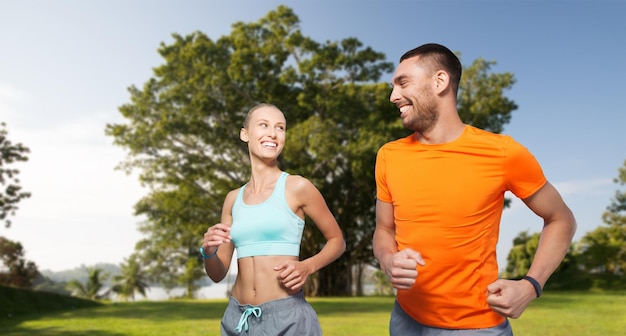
x=268 y=228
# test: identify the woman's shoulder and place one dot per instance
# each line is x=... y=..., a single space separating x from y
x=297 y=181
x=232 y=195
x=301 y=187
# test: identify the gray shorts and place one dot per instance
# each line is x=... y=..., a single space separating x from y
x=401 y=324
x=291 y=316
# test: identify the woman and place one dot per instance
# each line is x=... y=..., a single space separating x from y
x=263 y=220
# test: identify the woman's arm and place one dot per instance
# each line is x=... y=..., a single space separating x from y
x=218 y=236
x=308 y=201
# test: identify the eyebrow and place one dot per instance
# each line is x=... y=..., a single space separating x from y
x=267 y=121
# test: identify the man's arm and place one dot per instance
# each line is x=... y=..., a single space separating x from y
x=400 y=267
x=558 y=230
x=384 y=243
x=510 y=298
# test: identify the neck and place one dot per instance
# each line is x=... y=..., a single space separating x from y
x=443 y=132
x=263 y=177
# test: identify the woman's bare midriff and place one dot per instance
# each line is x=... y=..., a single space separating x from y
x=257 y=281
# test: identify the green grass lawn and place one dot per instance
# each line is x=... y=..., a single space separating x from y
x=553 y=314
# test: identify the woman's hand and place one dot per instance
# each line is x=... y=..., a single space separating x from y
x=293 y=274
x=215 y=236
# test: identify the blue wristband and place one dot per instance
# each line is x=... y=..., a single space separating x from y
x=535 y=284
x=207 y=256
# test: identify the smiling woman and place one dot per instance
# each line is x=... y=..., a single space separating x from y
x=263 y=221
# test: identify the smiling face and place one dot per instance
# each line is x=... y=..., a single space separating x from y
x=264 y=131
x=413 y=95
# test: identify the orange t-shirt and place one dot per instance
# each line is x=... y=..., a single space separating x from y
x=447 y=203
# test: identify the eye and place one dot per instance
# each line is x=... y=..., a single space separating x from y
x=263 y=124
x=280 y=128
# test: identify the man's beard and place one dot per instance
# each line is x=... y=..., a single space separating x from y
x=425 y=113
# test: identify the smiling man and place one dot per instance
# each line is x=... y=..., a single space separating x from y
x=440 y=196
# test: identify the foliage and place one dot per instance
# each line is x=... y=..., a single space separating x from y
x=93 y=288
x=132 y=279
x=521 y=255
x=45 y=284
x=481 y=99
x=603 y=250
x=14 y=269
x=11 y=193
x=182 y=127
x=382 y=283
x=568 y=275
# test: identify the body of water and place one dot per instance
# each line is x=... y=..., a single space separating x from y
x=214 y=291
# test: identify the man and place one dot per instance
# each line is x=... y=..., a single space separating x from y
x=440 y=195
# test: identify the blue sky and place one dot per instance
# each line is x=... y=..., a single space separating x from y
x=65 y=67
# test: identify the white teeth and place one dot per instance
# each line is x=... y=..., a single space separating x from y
x=268 y=144
x=404 y=108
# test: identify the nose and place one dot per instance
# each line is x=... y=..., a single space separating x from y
x=272 y=132
x=394 y=96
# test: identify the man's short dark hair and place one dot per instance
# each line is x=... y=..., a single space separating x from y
x=438 y=57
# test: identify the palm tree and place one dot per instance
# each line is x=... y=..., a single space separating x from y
x=91 y=290
x=131 y=279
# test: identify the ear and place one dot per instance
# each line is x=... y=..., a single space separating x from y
x=243 y=135
x=441 y=82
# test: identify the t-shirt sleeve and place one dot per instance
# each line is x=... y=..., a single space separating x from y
x=523 y=173
x=382 y=191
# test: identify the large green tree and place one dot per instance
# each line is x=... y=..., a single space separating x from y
x=182 y=133
x=182 y=127
x=10 y=189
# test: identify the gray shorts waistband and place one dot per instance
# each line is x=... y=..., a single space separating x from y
x=290 y=302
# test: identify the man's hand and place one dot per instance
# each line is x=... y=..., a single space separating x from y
x=510 y=297
x=401 y=268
